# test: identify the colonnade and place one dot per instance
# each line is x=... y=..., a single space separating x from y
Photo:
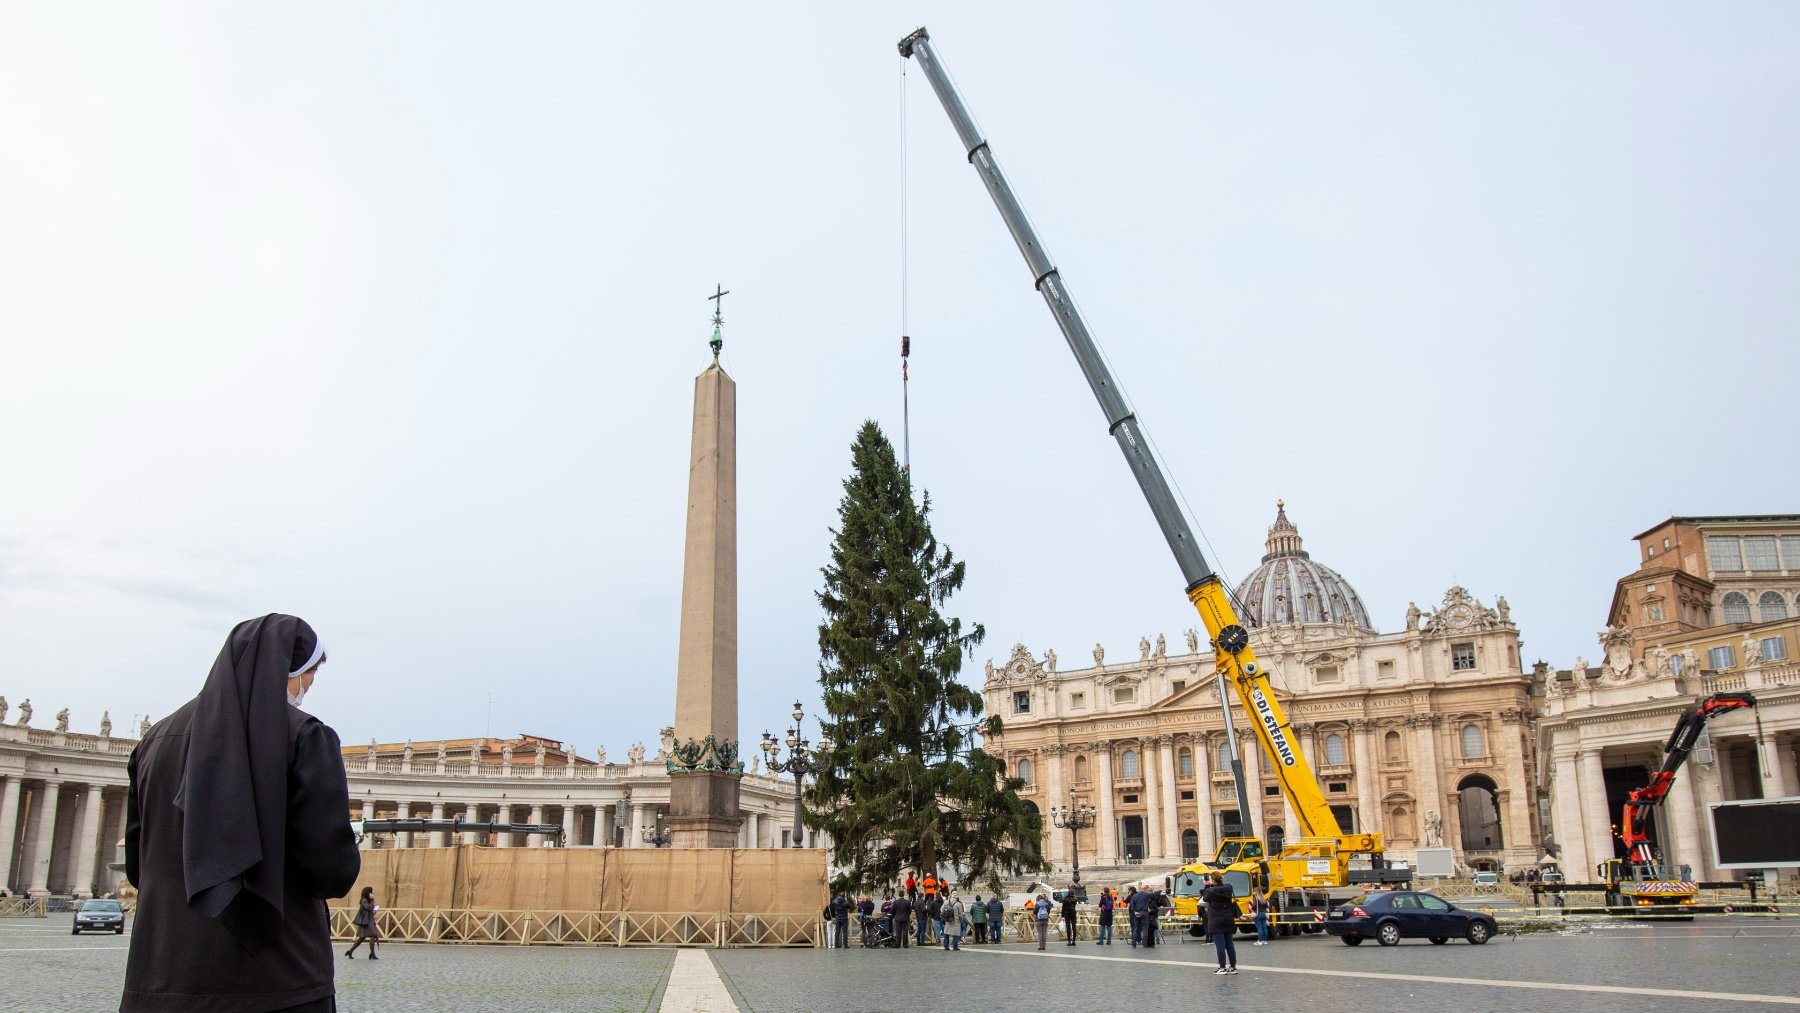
x=60 y=836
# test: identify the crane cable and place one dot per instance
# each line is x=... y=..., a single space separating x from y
x=905 y=340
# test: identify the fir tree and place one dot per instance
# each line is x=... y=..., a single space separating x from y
x=904 y=785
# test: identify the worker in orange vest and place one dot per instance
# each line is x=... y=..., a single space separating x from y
x=931 y=886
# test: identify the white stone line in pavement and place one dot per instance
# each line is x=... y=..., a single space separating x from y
x=1550 y=986
x=695 y=986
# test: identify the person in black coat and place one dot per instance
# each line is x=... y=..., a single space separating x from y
x=237 y=830
x=1221 y=921
x=840 y=920
x=903 y=907
x=1068 y=915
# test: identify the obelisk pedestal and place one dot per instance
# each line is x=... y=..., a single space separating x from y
x=704 y=772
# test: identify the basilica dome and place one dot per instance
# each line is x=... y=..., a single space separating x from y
x=1290 y=587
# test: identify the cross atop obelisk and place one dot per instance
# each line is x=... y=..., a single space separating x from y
x=718 y=338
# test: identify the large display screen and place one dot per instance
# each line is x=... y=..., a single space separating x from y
x=1756 y=834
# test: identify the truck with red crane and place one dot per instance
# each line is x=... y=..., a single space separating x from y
x=1641 y=879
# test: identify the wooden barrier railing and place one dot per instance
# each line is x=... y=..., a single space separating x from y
x=20 y=907
x=588 y=928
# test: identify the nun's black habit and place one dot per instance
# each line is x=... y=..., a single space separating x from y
x=237 y=830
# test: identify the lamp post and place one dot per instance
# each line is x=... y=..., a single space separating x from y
x=657 y=836
x=1073 y=818
x=801 y=761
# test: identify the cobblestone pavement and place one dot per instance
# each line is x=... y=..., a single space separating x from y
x=1717 y=964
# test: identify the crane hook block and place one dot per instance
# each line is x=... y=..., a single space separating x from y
x=1233 y=639
x=905 y=346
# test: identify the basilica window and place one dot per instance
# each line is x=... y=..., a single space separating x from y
x=1077 y=701
x=1184 y=762
x=1022 y=702
x=1462 y=657
x=1124 y=694
x=1384 y=670
x=1472 y=746
x=1128 y=764
x=1737 y=608
x=1334 y=750
x=1677 y=663
x=1224 y=755
x=1721 y=658
x=1080 y=770
x=1759 y=552
x=1790 y=551
x=1723 y=553
x=1390 y=746
x=1774 y=649
x=1024 y=771
x=1771 y=606
x=1327 y=673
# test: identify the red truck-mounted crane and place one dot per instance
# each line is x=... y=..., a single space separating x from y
x=1640 y=879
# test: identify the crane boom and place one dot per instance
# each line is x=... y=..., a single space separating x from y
x=1641 y=801
x=1231 y=641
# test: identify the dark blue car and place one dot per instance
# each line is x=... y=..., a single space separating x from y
x=1392 y=915
x=100 y=916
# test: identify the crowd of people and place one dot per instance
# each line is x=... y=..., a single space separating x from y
x=927 y=910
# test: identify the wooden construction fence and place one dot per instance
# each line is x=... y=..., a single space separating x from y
x=589 y=928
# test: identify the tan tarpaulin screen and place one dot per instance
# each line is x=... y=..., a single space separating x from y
x=475 y=878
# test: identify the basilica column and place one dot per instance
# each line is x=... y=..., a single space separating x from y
x=1055 y=794
x=1368 y=805
x=9 y=822
x=1107 y=841
x=1149 y=765
x=1596 y=815
x=90 y=832
x=1516 y=825
x=439 y=838
x=1565 y=817
x=44 y=841
x=1165 y=745
x=1203 y=798
x=1251 y=747
x=1425 y=771
x=1684 y=820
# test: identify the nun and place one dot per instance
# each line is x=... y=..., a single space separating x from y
x=237 y=830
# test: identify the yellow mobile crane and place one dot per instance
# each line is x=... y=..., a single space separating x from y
x=1321 y=855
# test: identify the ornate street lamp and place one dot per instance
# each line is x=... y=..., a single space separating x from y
x=657 y=836
x=801 y=761
x=1073 y=818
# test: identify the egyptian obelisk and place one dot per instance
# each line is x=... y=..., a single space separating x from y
x=704 y=772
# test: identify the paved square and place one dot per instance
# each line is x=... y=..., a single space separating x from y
x=1625 y=967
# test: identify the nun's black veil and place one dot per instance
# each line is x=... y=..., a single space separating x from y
x=235 y=787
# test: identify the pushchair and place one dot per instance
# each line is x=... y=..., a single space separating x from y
x=879 y=932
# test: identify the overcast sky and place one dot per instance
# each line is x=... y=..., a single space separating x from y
x=387 y=316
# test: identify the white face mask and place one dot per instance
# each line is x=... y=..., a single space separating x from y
x=295 y=698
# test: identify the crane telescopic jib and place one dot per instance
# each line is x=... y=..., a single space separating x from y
x=1235 y=660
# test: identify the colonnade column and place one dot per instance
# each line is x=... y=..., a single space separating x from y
x=537 y=816
x=1368 y=805
x=1596 y=815
x=89 y=831
x=403 y=839
x=43 y=842
x=570 y=824
x=634 y=836
x=472 y=814
x=368 y=813
x=1149 y=766
x=439 y=838
x=1203 y=798
x=503 y=814
x=603 y=824
x=1107 y=841
x=9 y=821
x=1778 y=762
x=1165 y=746
x=752 y=821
